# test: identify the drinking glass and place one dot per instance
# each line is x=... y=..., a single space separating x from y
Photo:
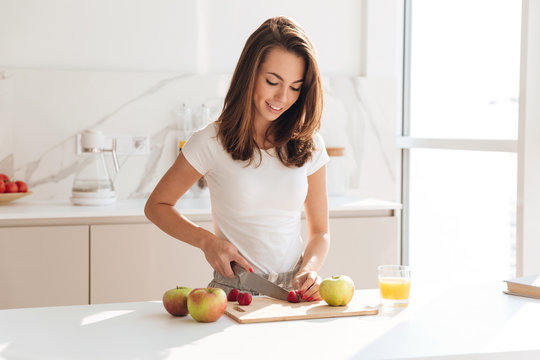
x=394 y=284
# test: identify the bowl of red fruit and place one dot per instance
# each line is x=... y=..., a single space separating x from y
x=12 y=190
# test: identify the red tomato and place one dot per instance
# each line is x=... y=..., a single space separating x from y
x=21 y=186
x=4 y=177
x=2 y=187
x=11 y=187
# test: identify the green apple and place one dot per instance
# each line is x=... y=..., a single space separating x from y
x=337 y=290
x=175 y=300
x=207 y=304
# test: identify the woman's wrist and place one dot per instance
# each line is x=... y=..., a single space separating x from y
x=308 y=267
x=204 y=239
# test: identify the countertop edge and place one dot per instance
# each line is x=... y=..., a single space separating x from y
x=131 y=211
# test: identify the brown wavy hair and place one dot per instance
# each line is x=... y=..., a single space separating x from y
x=292 y=133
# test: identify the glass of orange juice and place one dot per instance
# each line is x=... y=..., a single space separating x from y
x=394 y=284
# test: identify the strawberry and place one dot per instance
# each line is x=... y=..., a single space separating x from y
x=293 y=297
x=244 y=298
x=233 y=295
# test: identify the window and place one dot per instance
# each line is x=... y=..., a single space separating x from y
x=464 y=66
x=460 y=132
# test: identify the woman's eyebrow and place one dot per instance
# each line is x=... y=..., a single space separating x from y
x=280 y=78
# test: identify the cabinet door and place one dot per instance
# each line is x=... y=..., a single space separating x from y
x=43 y=266
x=139 y=262
x=358 y=246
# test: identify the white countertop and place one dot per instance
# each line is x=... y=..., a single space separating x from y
x=474 y=322
x=57 y=212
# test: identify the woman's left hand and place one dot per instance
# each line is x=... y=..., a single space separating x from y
x=307 y=282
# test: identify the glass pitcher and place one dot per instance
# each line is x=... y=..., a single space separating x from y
x=92 y=184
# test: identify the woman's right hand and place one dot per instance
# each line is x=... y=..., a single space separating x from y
x=219 y=253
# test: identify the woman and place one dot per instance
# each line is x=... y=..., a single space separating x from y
x=263 y=162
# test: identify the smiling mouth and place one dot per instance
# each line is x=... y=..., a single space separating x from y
x=274 y=108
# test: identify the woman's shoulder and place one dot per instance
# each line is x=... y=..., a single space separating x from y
x=208 y=131
x=204 y=137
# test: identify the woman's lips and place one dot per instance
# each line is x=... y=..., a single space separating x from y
x=273 y=109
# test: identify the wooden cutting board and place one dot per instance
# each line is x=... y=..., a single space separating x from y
x=266 y=309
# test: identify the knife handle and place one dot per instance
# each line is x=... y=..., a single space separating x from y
x=236 y=268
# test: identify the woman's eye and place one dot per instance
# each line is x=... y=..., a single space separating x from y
x=295 y=89
x=271 y=83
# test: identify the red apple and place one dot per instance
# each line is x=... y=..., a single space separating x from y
x=21 y=185
x=175 y=300
x=207 y=304
x=11 y=187
x=233 y=295
x=4 y=177
x=2 y=187
x=244 y=298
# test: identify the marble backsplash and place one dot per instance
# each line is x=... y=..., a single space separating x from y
x=42 y=111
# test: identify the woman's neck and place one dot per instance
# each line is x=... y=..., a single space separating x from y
x=260 y=128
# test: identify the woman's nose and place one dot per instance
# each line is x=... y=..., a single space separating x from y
x=281 y=95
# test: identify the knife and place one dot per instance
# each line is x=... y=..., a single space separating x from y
x=259 y=284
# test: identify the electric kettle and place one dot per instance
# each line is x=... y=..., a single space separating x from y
x=92 y=184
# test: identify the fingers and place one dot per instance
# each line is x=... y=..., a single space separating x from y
x=310 y=293
x=226 y=270
x=221 y=267
x=240 y=260
x=220 y=255
x=309 y=288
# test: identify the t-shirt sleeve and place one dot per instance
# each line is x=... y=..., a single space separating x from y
x=198 y=149
x=319 y=156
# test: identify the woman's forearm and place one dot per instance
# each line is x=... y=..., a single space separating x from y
x=315 y=252
x=168 y=219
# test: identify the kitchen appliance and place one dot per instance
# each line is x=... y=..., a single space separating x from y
x=259 y=284
x=92 y=184
x=266 y=309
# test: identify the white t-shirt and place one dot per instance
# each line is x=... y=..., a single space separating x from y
x=257 y=209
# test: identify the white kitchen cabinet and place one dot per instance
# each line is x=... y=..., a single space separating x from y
x=358 y=245
x=137 y=262
x=43 y=266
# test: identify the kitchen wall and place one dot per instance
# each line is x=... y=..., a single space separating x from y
x=123 y=66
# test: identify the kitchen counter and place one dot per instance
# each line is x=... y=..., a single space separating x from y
x=473 y=322
x=25 y=212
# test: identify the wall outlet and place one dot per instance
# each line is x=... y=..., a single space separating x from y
x=125 y=144
x=129 y=144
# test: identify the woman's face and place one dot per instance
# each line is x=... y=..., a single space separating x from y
x=277 y=85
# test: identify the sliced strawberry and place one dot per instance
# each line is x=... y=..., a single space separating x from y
x=233 y=295
x=244 y=298
x=293 y=296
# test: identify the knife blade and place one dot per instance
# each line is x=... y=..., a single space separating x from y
x=259 y=284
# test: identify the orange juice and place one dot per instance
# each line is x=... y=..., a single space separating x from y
x=394 y=288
